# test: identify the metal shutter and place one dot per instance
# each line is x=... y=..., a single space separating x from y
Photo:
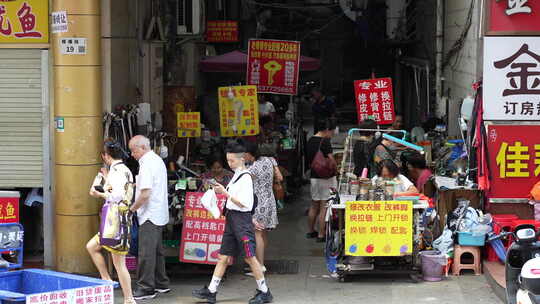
x=21 y=118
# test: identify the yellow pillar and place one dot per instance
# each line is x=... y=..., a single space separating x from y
x=77 y=96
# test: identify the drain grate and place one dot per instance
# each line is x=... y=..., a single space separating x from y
x=282 y=266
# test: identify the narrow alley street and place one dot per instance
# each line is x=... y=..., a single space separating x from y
x=312 y=283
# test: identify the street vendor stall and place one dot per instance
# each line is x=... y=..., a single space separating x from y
x=368 y=228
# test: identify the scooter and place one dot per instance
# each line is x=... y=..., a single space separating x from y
x=522 y=266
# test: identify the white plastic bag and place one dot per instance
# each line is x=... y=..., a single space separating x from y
x=209 y=202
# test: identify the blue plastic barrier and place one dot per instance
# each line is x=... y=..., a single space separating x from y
x=16 y=286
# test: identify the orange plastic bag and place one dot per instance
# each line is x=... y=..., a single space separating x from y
x=535 y=192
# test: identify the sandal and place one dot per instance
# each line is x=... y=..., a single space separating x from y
x=130 y=301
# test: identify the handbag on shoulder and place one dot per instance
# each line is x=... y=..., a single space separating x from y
x=322 y=166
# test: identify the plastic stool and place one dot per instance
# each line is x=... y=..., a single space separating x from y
x=458 y=265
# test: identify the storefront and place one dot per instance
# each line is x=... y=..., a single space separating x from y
x=25 y=115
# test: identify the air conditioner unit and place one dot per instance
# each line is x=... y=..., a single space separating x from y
x=188 y=17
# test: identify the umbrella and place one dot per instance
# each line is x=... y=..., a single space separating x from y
x=236 y=61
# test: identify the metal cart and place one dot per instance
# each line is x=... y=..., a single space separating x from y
x=343 y=266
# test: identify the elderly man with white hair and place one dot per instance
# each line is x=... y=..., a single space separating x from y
x=152 y=210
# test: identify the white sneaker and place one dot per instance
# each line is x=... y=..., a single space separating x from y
x=162 y=290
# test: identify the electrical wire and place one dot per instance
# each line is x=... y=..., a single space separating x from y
x=323 y=27
x=460 y=42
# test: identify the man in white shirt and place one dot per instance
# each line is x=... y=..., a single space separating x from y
x=152 y=209
x=266 y=108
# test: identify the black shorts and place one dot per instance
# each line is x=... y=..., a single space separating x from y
x=239 y=235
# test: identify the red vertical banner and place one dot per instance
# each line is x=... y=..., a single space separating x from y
x=273 y=66
x=375 y=98
x=514 y=160
x=201 y=233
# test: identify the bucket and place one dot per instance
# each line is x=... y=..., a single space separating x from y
x=433 y=263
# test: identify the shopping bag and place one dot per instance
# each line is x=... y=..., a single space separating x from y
x=209 y=202
x=134 y=245
x=109 y=229
x=323 y=166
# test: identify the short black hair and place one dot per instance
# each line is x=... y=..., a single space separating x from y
x=114 y=149
x=417 y=161
x=390 y=165
x=325 y=124
x=235 y=147
x=367 y=124
x=252 y=148
x=213 y=158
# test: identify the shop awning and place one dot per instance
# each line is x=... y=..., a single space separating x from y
x=236 y=61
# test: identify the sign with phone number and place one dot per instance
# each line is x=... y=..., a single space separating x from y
x=201 y=233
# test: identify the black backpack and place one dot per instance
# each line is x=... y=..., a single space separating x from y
x=255 y=200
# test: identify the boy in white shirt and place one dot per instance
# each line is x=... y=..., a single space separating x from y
x=239 y=235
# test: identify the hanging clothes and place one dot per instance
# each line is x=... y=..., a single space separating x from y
x=480 y=143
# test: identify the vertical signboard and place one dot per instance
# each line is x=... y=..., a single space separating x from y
x=514 y=159
x=238 y=111
x=273 y=66
x=189 y=124
x=511 y=78
x=374 y=98
x=201 y=233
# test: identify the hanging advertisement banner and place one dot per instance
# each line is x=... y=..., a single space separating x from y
x=24 y=21
x=238 y=111
x=189 y=124
x=511 y=78
x=375 y=98
x=512 y=17
x=514 y=160
x=273 y=66
x=378 y=228
x=222 y=31
x=201 y=233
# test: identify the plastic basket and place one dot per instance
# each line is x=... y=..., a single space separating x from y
x=36 y=285
x=467 y=239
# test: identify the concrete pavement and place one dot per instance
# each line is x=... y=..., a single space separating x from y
x=313 y=285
